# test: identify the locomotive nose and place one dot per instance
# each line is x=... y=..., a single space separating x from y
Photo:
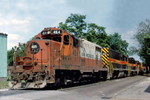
x=39 y=51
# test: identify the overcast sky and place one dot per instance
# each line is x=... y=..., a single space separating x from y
x=22 y=19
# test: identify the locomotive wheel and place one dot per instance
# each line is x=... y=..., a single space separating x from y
x=57 y=83
x=60 y=82
x=104 y=78
x=65 y=81
x=72 y=80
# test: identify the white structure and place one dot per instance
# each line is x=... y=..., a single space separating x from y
x=3 y=55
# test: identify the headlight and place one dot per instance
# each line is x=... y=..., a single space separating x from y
x=34 y=47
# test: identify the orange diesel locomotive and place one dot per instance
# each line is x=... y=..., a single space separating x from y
x=55 y=56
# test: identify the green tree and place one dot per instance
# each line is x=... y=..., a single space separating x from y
x=142 y=31
x=75 y=23
x=10 y=54
x=20 y=51
x=116 y=43
x=132 y=50
x=97 y=35
x=143 y=38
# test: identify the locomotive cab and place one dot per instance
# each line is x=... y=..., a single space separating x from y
x=45 y=55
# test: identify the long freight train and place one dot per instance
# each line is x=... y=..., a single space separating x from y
x=55 y=56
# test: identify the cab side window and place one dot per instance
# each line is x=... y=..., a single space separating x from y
x=58 y=39
x=66 y=39
x=75 y=42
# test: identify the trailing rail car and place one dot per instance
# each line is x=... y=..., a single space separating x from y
x=142 y=69
x=58 y=57
x=115 y=62
x=134 y=70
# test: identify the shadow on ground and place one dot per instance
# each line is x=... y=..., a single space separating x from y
x=148 y=89
x=53 y=87
x=82 y=83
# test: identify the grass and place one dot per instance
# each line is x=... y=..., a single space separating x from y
x=3 y=84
